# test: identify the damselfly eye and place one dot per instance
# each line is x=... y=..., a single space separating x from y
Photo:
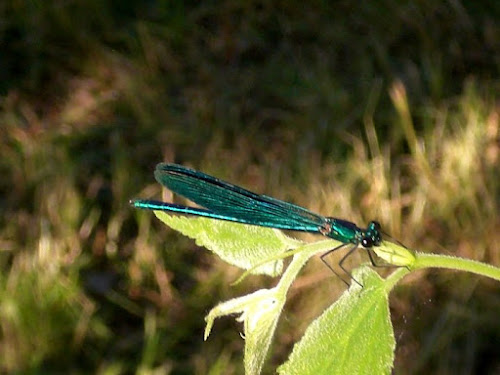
x=367 y=242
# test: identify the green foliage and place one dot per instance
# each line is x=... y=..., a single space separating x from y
x=384 y=110
x=394 y=254
x=353 y=336
x=237 y=245
x=359 y=322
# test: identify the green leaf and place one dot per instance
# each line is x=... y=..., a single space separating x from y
x=241 y=245
x=353 y=336
x=395 y=254
x=259 y=312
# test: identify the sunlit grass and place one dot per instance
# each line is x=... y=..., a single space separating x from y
x=86 y=282
x=447 y=191
x=44 y=311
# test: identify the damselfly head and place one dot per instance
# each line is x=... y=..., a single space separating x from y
x=372 y=236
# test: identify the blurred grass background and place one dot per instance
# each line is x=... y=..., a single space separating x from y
x=373 y=110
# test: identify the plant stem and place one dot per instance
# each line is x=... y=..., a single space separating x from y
x=444 y=261
x=301 y=256
x=394 y=277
